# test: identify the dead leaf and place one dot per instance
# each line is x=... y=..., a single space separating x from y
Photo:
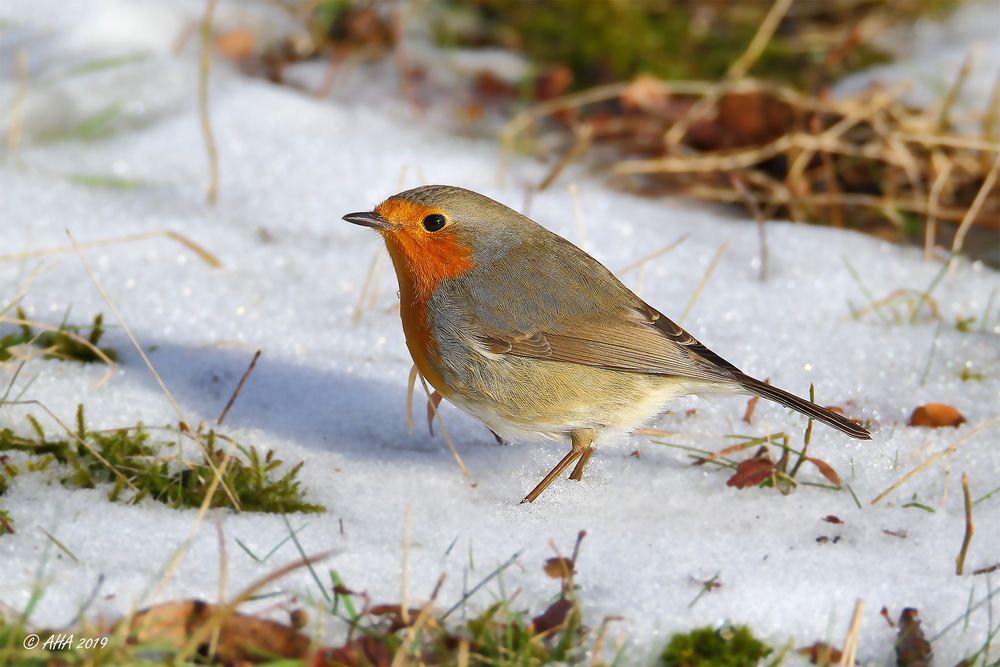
x=751 y=405
x=830 y=518
x=821 y=654
x=912 y=649
x=645 y=93
x=236 y=45
x=241 y=637
x=936 y=415
x=751 y=472
x=825 y=469
x=487 y=84
x=553 y=617
x=366 y=651
x=298 y=618
x=553 y=83
x=432 y=405
x=559 y=568
x=743 y=119
x=394 y=613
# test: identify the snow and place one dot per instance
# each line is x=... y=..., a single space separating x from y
x=333 y=394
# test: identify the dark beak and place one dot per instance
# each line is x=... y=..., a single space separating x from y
x=369 y=219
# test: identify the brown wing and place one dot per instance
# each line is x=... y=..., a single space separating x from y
x=642 y=341
x=648 y=342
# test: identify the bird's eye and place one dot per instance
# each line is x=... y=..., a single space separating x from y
x=434 y=222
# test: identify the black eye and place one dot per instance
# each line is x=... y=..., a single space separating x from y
x=434 y=222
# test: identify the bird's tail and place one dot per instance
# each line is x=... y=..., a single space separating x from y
x=805 y=407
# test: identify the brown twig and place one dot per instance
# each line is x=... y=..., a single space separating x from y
x=239 y=388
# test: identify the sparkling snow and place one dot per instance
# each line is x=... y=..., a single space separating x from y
x=333 y=394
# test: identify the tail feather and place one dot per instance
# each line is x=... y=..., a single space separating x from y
x=805 y=407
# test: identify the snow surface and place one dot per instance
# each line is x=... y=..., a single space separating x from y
x=333 y=394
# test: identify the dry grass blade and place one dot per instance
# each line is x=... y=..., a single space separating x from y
x=704 y=281
x=409 y=398
x=581 y=229
x=765 y=32
x=864 y=162
x=736 y=71
x=583 y=136
x=239 y=388
x=152 y=369
x=948 y=451
x=15 y=126
x=404 y=579
x=932 y=209
x=743 y=158
x=199 y=635
x=35 y=324
x=76 y=437
x=204 y=254
x=977 y=204
x=447 y=438
x=367 y=286
x=595 y=659
x=970 y=529
x=758 y=216
x=651 y=256
x=851 y=642
x=526 y=118
x=654 y=432
x=217 y=472
x=948 y=101
x=204 y=67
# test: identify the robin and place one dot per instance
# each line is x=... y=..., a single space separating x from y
x=526 y=332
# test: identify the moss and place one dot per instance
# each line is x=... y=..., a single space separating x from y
x=706 y=647
x=136 y=468
x=676 y=40
x=6 y=522
x=62 y=343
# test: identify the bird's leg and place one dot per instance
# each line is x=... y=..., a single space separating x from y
x=496 y=435
x=577 y=473
x=581 y=440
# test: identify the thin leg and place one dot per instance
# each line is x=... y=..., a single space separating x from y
x=551 y=477
x=581 y=440
x=577 y=473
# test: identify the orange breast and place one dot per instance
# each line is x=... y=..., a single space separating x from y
x=422 y=261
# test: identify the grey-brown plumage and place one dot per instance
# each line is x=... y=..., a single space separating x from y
x=536 y=337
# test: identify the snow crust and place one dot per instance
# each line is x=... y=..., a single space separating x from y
x=333 y=394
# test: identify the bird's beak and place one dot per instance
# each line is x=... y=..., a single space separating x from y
x=369 y=219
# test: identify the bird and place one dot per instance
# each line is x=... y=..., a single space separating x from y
x=532 y=336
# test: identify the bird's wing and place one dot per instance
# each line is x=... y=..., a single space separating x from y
x=638 y=340
x=569 y=308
